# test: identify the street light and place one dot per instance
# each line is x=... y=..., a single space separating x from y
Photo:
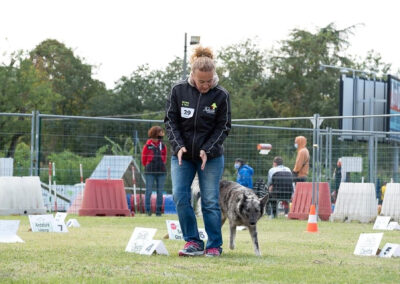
x=193 y=41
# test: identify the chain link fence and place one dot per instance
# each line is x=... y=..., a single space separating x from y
x=35 y=140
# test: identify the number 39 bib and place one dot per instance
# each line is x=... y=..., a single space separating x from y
x=187 y=112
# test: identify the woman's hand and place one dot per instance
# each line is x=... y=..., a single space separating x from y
x=180 y=153
x=203 y=157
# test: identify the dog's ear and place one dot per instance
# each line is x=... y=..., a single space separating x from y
x=264 y=200
x=240 y=201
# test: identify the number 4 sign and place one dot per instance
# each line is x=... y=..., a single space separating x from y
x=60 y=224
x=390 y=250
x=154 y=246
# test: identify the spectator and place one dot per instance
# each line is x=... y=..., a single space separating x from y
x=198 y=119
x=338 y=179
x=300 y=171
x=279 y=184
x=244 y=173
x=383 y=189
x=154 y=157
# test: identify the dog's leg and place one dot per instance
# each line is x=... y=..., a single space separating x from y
x=223 y=219
x=233 y=235
x=253 y=234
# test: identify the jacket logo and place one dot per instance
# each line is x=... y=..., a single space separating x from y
x=209 y=110
x=185 y=103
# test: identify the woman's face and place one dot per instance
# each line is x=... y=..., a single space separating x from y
x=159 y=137
x=203 y=80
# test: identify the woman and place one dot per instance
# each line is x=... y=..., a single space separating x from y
x=198 y=119
x=154 y=157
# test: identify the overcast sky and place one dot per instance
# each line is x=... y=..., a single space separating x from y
x=119 y=35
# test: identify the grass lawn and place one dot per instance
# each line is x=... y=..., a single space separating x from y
x=95 y=253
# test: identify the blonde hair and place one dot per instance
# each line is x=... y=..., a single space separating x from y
x=202 y=59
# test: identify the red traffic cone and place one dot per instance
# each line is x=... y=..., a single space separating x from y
x=312 y=226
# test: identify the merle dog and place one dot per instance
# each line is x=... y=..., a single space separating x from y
x=241 y=206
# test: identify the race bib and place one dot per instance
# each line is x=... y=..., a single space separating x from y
x=187 y=112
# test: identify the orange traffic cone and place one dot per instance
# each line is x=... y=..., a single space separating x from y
x=312 y=226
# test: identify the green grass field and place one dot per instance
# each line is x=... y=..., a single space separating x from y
x=95 y=253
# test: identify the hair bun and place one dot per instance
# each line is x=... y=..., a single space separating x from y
x=201 y=52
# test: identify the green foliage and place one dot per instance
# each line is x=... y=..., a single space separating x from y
x=142 y=94
x=22 y=160
x=126 y=150
x=297 y=84
x=241 y=68
x=68 y=75
x=67 y=166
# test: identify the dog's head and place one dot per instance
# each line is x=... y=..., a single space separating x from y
x=252 y=207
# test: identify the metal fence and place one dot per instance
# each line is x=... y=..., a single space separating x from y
x=35 y=140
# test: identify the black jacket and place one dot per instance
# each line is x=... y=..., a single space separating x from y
x=197 y=121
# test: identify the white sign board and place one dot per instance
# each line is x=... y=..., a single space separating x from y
x=42 y=223
x=393 y=226
x=368 y=244
x=175 y=232
x=153 y=246
x=390 y=250
x=203 y=235
x=60 y=224
x=351 y=164
x=139 y=238
x=73 y=223
x=8 y=231
x=381 y=223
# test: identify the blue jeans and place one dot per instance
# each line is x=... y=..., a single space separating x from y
x=159 y=179
x=182 y=177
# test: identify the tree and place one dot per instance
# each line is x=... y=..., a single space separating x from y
x=69 y=76
x=23 y=89
x=241 y=68
x=296 y=85
x=144 y=92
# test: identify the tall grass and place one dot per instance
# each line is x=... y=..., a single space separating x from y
x=95 y=253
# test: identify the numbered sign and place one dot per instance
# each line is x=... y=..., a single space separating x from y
x=390 y=250
x=203 y=235
x=381 y=223
x=8 y=231
x=368 y=244
x=393 y=226
x=60 y=224
x=175 y=232
x=187 y=112
x=42 y=223
x=154 y=246
x=139 y=238
x=73 y=223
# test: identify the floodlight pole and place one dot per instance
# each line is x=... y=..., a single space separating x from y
x=193 y=40
x=184 y=58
